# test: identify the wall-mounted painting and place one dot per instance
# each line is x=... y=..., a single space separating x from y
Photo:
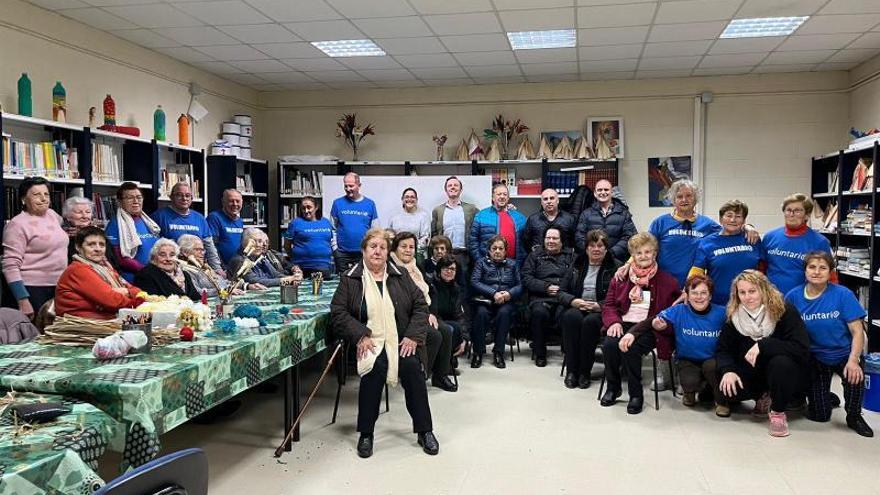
x=606 y=136
x=662 y=172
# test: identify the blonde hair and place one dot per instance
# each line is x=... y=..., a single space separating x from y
x=376 y=232
x=799 y=198
x=642 y=238
x=770 y=295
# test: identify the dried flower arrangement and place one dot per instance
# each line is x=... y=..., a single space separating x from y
x=506 y=132
x=348 y=129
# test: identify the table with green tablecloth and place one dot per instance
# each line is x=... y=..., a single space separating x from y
x=150 y=394
x=59 y=456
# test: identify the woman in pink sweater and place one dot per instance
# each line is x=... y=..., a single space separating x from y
x=34 y=248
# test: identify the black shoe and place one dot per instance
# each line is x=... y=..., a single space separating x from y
x=540 y=362
x=609 y=398
x=476 y=361
x=570 y=380
x=454 y=372
x=635 y=405
x=365 y=446
x=857 y=424
x=584 y=381
x=499 y=360
x=429 y=443
x=444 y=383
x=834 y=400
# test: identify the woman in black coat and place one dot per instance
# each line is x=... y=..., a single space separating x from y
x=446 y=302
x=162 y=276
x=376 y=306
x=583 y=292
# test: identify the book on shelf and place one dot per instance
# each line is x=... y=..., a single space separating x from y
x=105 y=209
x=504 y=175
x=858 y=221
x=289 y=212
x=833 y=181
x=253 y=211
x=296 y=182
x=862 y=294
x=244 y=183
x=176 y=173
x=107 y=162
x=562 y=182
x=50 y=159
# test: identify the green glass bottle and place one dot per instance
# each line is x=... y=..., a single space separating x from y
x=159 y=124
x=25 y=98
x=59 y=103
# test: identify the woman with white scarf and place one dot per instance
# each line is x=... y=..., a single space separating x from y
x=131 y=231
x=438 y=342
x=378 y=307
x=764 y=349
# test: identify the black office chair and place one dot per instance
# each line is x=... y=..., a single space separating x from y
x=179 y=473
x=341 y=374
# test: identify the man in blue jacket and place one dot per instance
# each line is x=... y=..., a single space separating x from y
x=498 y=220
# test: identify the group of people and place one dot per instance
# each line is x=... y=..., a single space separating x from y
x=742 y=316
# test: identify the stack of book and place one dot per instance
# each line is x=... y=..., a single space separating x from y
x=53 y=160
x=858 y=221
x=856 y=261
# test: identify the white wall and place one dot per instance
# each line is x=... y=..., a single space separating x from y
x=865 y=96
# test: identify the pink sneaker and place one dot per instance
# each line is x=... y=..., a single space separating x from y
x=778 y=424
x=762 y=405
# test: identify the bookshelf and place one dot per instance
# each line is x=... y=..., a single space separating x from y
x=174 y=163
x=250 y=177
x=851 y=226
x=130 y=158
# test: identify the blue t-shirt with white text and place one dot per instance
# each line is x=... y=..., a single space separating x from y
x=826 y=318
x=174 y=224
x=226 y=233
x=724 y=257
x=147 y=240
x=353 y=220
x=312 y=242
x=696 y=335
x=785 y=256
x=678 y=242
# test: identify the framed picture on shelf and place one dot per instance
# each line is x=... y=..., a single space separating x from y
x=662 y=172
x=606 y=136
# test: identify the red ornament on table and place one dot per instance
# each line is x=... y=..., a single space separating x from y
x=187 y=334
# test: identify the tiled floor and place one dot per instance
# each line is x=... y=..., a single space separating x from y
x=519 y=431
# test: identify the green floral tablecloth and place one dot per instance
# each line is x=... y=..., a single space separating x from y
x=153 y=393
x=56 y=457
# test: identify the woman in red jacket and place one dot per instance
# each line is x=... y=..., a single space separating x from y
x=645 y=292
x=90 y=287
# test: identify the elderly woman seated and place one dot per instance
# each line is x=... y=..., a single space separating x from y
x=163 y=276
x=192 y=261
x=90 y=287
x=264 y=272
x=77 y=214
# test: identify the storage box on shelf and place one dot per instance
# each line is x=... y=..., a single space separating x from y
x=250 y=176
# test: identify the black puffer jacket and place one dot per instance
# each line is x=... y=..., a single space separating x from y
x=533 y=235
x=447 y=304
x=618 y=224
x=579 y=201
x=542 y=269
x=573 y=284
x=490 y=277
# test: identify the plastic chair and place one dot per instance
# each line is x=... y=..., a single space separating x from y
x=341 y=374
x=180 y=473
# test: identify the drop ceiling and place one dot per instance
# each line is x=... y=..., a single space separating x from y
x=265 y=44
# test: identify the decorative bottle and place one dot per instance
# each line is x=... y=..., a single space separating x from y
x=59 y=103
x=159 y=124
x=183 y=130
x=109 y=111
x=25 y=100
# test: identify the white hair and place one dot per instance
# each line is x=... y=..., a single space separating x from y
x=187 y=243
x=74 y=201
x=162 y=243
x=679 y=184
x=250 y=233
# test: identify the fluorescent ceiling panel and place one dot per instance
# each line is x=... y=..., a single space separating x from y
x=349 y=48
x=535 y=40
x=762 y=27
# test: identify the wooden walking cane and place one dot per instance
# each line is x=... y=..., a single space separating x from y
x=332 y=360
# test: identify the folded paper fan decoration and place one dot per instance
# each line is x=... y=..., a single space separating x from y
x=544 y=150
x=582 y=150
x=563 y=150
x=461 y=153
x=475 y=149
x=494 y=154
x=525 y=150
x=603 y=151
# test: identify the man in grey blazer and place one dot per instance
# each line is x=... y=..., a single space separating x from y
x=453 y=219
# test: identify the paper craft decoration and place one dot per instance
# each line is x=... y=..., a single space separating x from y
x=544 y=150
x=525 y=151
x=461 y=153
x=563 y=150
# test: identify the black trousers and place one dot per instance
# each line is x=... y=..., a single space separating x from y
x=484 y=316
x=345 y=260
x=542 y=314
x=580 y=336
x=781 y=376
x=630 y=360
x=416 y=393
x=38 y=296
x=693 y=375
x=438 y=343
x=820 y=403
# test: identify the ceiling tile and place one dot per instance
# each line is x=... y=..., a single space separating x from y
x=732 y=60
x=487 y=71
x=260 y=66
x=451 y=6
x=663 y=74
x=550 y=68
x=336 y=75
x=233 y=52
x=153 y=15
x=476 y=43
x=817 y=42
x=500 y=80
x=409 y=46
x=687 y=32
x=624 y=64
x=59 y=4
x=588 y=3
x=537 y=20
x=290 y=50
x=612 y=36
x=452 y=24
x=800 y=57
x=197 y=36
x=530 y=4
x=358 y=63
x=414 y=83
x=245 y=79
x=778 y=8
x=284 y=77
x=616 y=15
x=869 y=40
x=722 y=71
x=304 y=86
x=428 y=60
x=439 y=73
x=851 y=7
x=607 y=76
x=393 y=27
x=260 y=33
x=218 y=67
x=310 y=64
x=746 y=45
x=610 y=52
x=547 y=55
x=448 y=82
x=696 y=11
x=325 y=30
x=185 y=54
x=854 y=55
x=783 y=68
x=837 y=66
x=145 y=37
x=349 y=85
x=485 y=58
x=831 y=24
x=544 y=78
x=97 y=18
x=223 y=12
x=357 y=9
x=267 y=87
x=107 y=3
x=668 y=63
x=295 y=10
x=676 y=48
x=387 y=74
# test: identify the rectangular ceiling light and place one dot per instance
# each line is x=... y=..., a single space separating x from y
x=533 y=40
x=758 y=28
x=349 y=48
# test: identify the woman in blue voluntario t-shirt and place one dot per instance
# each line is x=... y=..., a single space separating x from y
x=786 y=246
x=834 y=320
x=726 y=254
x=310 y=239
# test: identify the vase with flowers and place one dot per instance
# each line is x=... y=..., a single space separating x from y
x=348 y=129
x=506 y=132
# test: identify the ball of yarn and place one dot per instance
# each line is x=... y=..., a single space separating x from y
x=225 y=325
x=283 y=310
x=248 y=311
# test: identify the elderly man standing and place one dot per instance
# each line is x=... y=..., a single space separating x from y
x=226 y=225
x=454 y=219
x=177 y=219
x=352 y=216
x=536 y=225
x=498 y=220
x=610 y=216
